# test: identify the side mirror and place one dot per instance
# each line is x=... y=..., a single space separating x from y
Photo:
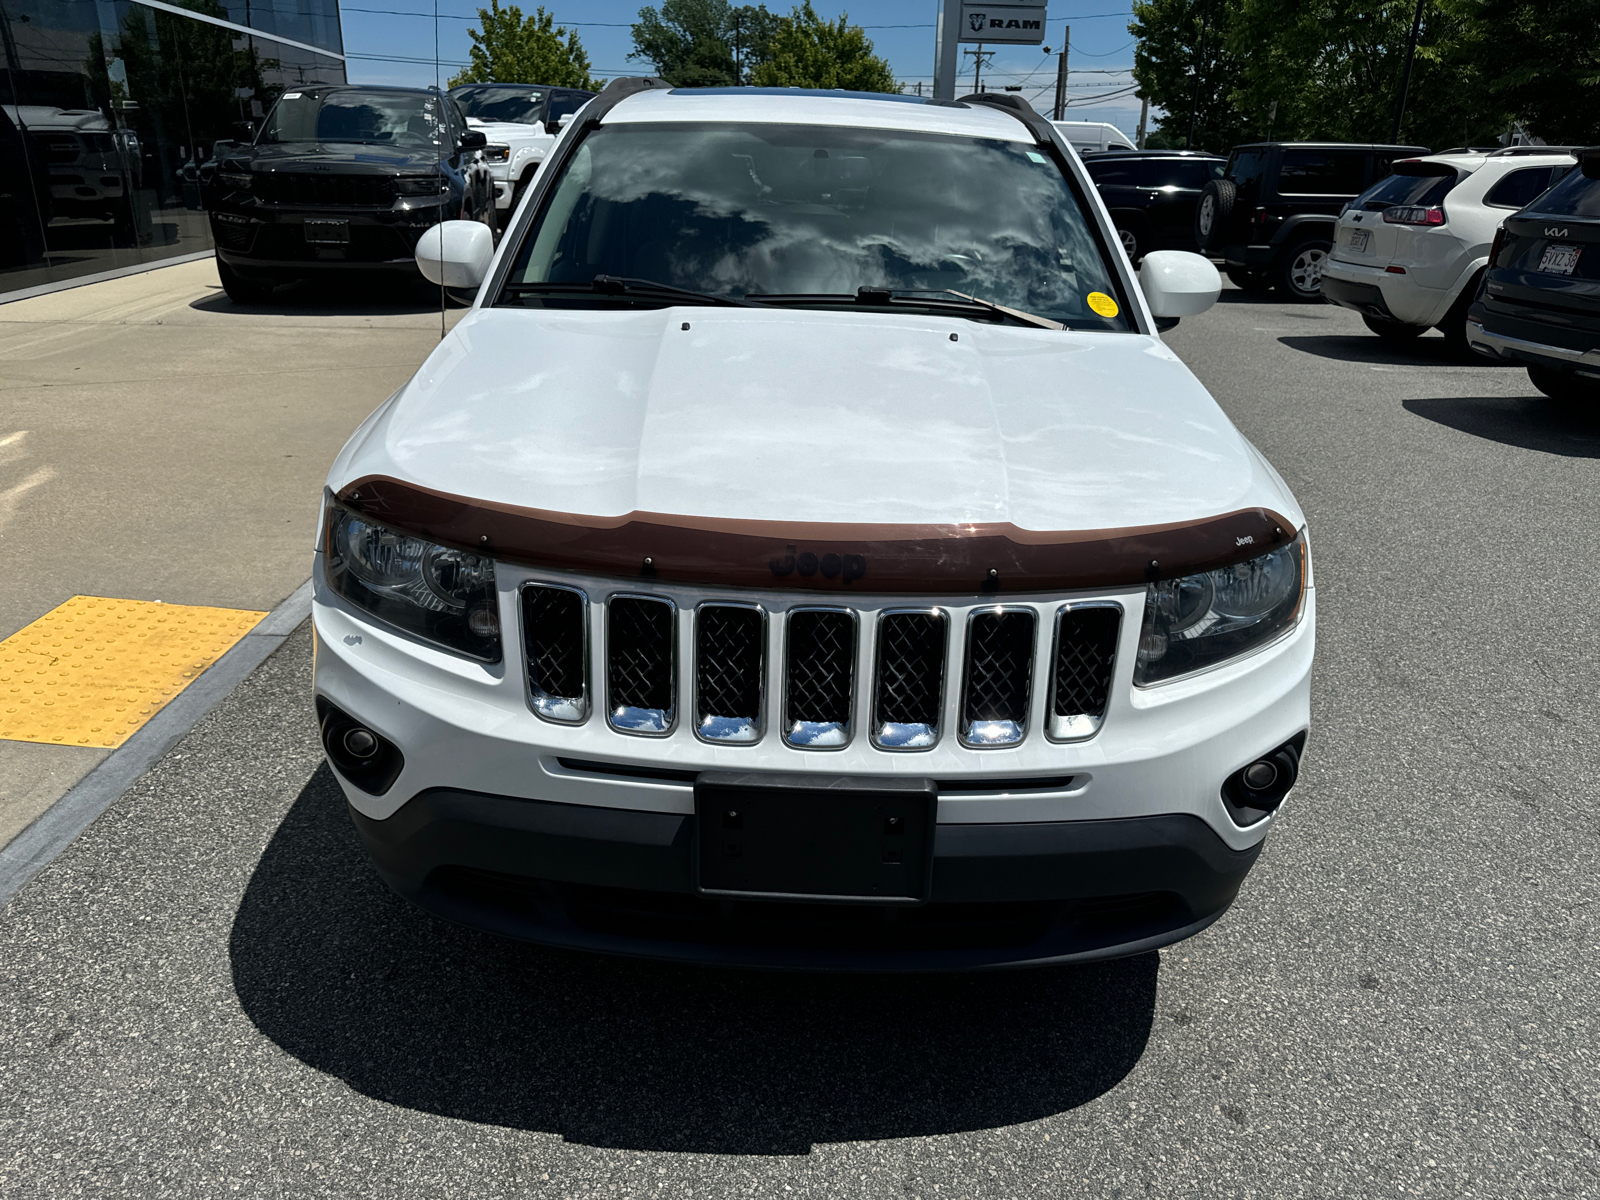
x=244 y=131
x=554 y=128
x=1177 y=284
x=473 y=139
x=455 y=254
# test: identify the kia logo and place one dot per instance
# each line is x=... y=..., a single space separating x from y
x=1552 y=232
x=851 y=566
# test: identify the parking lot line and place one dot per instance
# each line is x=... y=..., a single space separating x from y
x=93 y=670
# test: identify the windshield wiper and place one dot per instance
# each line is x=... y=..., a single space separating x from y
x=617 y=285
x=930 y=298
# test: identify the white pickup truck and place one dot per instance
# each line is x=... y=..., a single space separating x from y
x=521 y=122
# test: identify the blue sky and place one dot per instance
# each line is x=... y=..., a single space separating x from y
x=901 y=31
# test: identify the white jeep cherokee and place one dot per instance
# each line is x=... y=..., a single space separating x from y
x=1409 y=251
x=521 y=123
x=732 y=585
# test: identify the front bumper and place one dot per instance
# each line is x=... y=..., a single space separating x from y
x=267 y=240
x=621 y=882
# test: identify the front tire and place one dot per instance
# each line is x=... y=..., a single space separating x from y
x=1131 y=245
x=239 y=289
x=1257 y=282
x=1299 y=271
x=1565 y=386
x=1394 y=331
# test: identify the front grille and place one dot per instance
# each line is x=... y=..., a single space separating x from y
x=815 y=684
x=1085 y=651
x=555 y=629
x=994 y=709
x=909 y=694
x=640 y=684
x=315 y=190
x=729 y=649
x=820 y=675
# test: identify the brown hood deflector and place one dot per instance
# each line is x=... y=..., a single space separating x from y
x=822 y=557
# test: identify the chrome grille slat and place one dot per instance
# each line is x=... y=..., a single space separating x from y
x=1083 y=660
x=995 y=693
x=729 y=657
x=640 y=662
x=908 y=697
x=819 y=677
x=555 y=640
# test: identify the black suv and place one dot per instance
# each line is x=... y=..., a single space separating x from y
x=1271 y=216
x=341 y=179
x=1540 y=300
x=1152 y=195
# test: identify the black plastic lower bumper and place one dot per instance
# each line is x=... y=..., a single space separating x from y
x=1365 y=298
x=621 y=882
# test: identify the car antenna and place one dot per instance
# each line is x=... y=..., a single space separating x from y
x=438 y=143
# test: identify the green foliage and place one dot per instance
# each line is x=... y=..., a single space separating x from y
x=506 y=48
x=1333 y=68
x=808 y=52
x=704 y=43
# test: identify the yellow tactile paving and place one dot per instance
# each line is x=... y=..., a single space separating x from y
x=90 y=672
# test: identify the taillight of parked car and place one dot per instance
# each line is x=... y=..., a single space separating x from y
x=1494 y=248
x=1413 y=214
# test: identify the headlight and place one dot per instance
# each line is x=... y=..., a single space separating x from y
x=234 y=179
x=420 y=185
x=496 y=153
x=1201 y=620
x=443 y=595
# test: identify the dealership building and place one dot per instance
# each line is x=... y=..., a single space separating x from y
x=109 y=109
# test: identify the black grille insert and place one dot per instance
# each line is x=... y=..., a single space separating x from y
x=639 y=664
x=340 y=191
x=909 y=692
x=730 y=643
x=994 y=702
x=1085 y=651
x=818 y=677
x=554 y=636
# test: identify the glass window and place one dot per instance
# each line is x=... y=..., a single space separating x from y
x=821 y=211
x=1179 y=173
x=497 y=102
x=1322 y=172
x=1519 y=187
x=1424 y=184
x=563 y=103
x=1245 y=169
x=1575 y=196
x=1114 y=172
x=367 y=117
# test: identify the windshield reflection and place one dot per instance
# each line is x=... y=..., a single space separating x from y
x=763 y=209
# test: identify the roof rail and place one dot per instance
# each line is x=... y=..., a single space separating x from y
x=1519 y=151
x=1018 y=108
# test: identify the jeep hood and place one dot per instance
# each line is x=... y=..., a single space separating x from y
x=805 y=416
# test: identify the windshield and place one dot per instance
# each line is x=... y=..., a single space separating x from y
x=518 y=105
x=406 y=120
x=1424 y=184
x=822 y=211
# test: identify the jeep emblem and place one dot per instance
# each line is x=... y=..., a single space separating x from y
x=851 y=566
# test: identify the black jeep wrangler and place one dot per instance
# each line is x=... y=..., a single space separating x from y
x=1271 y=216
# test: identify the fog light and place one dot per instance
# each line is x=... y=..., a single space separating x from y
x=364 y=757
x=1256 y=790
x=1258 y=776
x=363 y=743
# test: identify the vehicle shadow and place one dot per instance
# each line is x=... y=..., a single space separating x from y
x=359 y=297
x=412 y=1011
x=1529 y=422
x=1424 y=351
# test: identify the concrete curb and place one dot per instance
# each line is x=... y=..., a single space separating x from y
x=62 y=285
x=32 y=850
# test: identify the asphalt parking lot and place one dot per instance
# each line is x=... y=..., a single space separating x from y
x=210 y=992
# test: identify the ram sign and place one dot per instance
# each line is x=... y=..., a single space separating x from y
x=1020 y=23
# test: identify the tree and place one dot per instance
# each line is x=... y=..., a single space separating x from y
x=704 y=43
x=1541 y=65
x=809 y=52
x=506 y=48
x=1171 y=73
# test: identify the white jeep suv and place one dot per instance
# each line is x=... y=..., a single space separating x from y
x=521 y=122
x=1409 y=251
x=806 y=552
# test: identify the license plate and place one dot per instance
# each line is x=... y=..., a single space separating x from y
x=1559 y=260
x=799 y=837
x=328 y=233
x=1358 y=240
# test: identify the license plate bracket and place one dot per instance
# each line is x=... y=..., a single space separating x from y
x=1559 y=259
x=328 y=233
x=834 y=839
x=1358 y=240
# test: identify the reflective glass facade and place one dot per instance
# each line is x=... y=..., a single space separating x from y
x=110 y=110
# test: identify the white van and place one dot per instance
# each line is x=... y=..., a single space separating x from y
x=1091 y=137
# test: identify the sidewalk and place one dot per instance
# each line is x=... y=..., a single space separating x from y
x=159 y=443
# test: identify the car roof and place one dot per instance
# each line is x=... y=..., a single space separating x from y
x=323 y=89
x=1477 y=158
x=1415 y=150
x=1193 y=154
x=809 y=106
x=543 y=87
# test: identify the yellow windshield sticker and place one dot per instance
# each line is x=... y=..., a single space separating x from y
x=1103 y=304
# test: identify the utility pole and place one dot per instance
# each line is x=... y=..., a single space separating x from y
x=1144 y=120
x=1199 y=66
x=1060 y=109
x=978 y=58
x=1405 y=78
